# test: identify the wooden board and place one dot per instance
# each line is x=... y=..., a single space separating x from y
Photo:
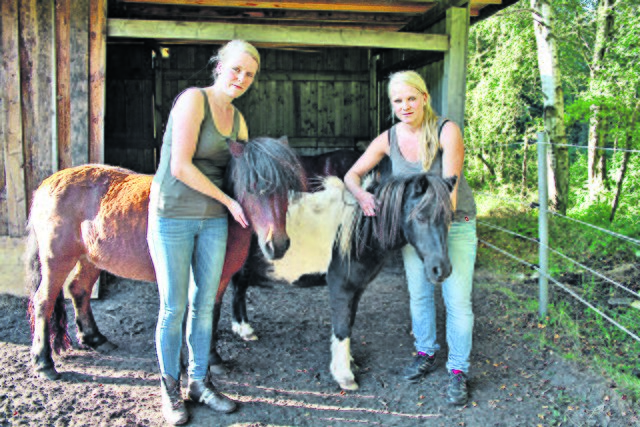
x=63 y=82
x=37 y=62
x=97 y=76
x=79 y=81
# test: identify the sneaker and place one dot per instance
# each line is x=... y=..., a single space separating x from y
x=173 y=408
x=204 y=392
x=457 y=393
x=422 y=364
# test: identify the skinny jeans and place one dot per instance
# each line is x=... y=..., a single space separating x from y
x=456 y=291
x=188 y=255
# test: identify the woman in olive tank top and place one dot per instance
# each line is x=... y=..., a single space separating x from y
x=187 y=231
x=421 y=142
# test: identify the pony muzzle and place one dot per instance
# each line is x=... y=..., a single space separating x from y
x=275 y=248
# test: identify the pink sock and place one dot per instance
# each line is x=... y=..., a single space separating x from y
x=456 y=371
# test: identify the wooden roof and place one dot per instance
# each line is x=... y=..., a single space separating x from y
x=292 y=23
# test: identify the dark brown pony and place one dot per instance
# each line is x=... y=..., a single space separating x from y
x=94 y=218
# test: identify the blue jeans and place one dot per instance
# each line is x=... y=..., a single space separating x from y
x=188 y=255
x=456 y=292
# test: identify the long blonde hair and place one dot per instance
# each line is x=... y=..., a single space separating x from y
x=430 y=143
x=225 y=51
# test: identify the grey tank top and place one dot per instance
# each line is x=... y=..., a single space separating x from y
x=171 y=198
x=466 y=209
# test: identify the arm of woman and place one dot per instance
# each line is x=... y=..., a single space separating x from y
x=188 y=114
x=378 y=148
x=452 y=156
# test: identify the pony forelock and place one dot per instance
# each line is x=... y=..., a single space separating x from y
x=266 y=167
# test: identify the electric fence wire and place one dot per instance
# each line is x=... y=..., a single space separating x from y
x=534 y=205
x=622 y=150
x=564 y=288
x=602 y=276
x=604 y=230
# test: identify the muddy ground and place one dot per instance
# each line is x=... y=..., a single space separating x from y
x=283 y=379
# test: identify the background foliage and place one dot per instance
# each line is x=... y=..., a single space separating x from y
x=504 y=113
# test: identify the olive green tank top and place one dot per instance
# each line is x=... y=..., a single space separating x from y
x=172 y=198
x=466 y=205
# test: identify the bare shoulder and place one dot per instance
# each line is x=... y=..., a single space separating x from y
x=451 y=136
x=190 y=101
x=380 y=144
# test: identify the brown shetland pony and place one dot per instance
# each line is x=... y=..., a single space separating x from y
x=94 y=218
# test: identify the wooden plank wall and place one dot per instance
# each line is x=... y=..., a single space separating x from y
x=45 y=94
x=319 y=99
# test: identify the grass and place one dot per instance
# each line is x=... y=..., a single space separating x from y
x=571 y=329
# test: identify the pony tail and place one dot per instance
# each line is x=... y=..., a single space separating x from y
x=33 y=272
x=58 y=334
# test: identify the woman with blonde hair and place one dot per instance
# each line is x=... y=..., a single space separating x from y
x=423 y=142
x=187 y=230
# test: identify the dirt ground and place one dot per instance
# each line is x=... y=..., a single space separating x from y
x=283 y=379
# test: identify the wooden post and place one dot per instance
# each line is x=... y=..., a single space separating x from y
x=11 y=116
x=97 y=74
x=374 y=123
x=63 y=82
x=455 y=65
x=79 y=75
x=37 y=40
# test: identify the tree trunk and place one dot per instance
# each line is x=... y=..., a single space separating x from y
x=623 y=167
x=553 y=109
x=597 y=124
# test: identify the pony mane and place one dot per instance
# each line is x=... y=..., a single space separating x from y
x=386 y=226
x=266 y=167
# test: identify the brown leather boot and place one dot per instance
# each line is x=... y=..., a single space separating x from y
x=173 y=408
x=204 y=392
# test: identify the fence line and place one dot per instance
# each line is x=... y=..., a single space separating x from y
x=604 y=230
x=622 y=150
x=532 y=143
x=534 y=205
x=564 y=288
x=602 y=276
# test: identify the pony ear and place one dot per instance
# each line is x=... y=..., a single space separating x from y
x=236 y=148
x=451 y=182
x=284 y=140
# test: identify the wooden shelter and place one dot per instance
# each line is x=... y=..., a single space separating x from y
x=93 y=80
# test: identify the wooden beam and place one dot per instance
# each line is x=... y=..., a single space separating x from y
x=202 y=31
x=97 y=75
x=12 y=121
x=63 y=82
x=189 y=13
x=344 y=6
x=455 y=65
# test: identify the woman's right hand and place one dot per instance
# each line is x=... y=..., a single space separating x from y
x=367 y=202
x=238 y=214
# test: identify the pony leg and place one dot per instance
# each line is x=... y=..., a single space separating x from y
x=47 y=299
x=240 y=322
x=216 y=364
x=80 y=288
x=347 y=282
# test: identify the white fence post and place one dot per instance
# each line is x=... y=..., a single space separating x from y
x=543 y=230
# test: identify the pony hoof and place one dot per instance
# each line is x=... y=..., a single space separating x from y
x=218 y=369
x=244 y=331
x=48 y=374
x=349 y=385
x=106 y=347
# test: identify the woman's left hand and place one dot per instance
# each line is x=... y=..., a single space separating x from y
x=237 y=212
